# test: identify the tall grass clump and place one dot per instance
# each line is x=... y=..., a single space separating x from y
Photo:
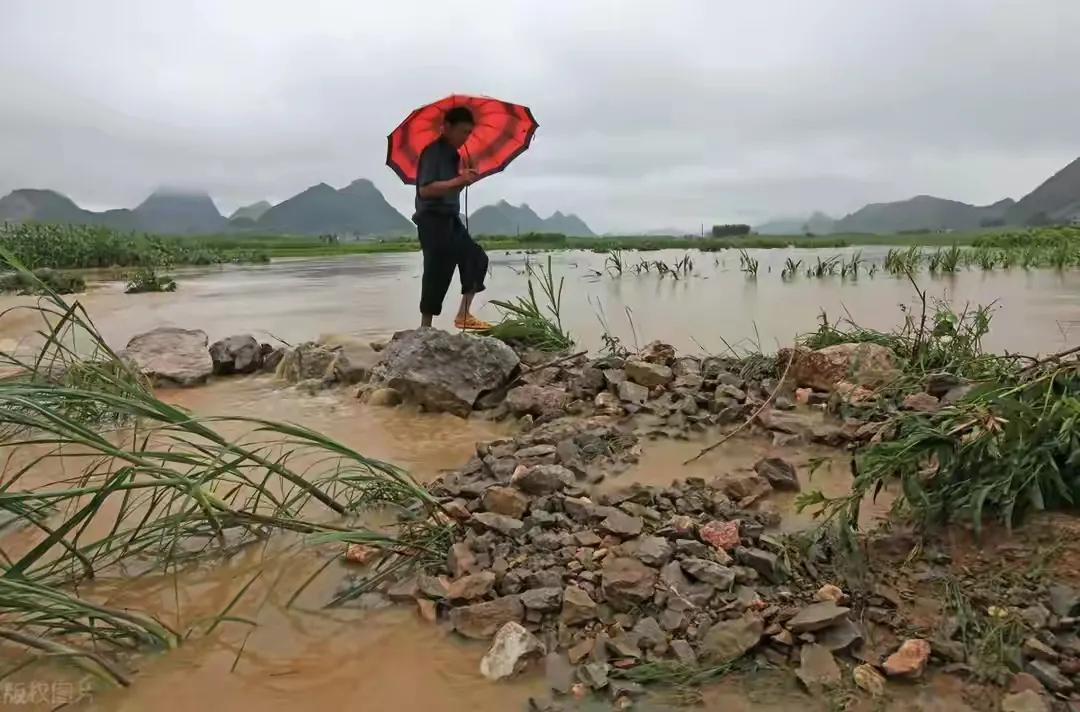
x=748 y=265
x=528 y=322
x=148 y=280
x=141 y=484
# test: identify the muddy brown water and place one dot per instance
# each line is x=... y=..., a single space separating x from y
x=304 y=656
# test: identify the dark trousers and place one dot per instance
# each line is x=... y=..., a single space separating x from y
x=447 y=245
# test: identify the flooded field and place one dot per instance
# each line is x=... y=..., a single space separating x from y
x=715 y=306
x=295 y=653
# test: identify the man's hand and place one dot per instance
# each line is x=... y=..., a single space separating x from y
x=468 y=176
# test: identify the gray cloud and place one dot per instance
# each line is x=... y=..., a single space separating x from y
x=651 y=115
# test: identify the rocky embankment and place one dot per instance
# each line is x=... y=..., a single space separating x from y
x=597 y=582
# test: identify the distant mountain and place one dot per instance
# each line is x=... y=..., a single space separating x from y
x=42 y=206
x=1056 y=200
x=502 y=218
x=178 y=212
x=357 y=209
x=251 y=212
x=818 y=224
x=923 y=212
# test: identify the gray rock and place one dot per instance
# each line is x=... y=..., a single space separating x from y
x=236 y=354
x=471 y=586
x=725 y=392
x=444 y=372
x=817 y=616
x=595 y=675
x=404 y=590
x=650 y=550
x=508 y=501
x=1025 y=701
x=536 y=400
x=649 y=633
x=542 y=479
x=842 y=635
x=672 y=620
x=731 y=639
x=626 y=582
x=632 y=393
x=684 y=653
x=559 y=672
x=542 y=599
x=710 y=572
x=171 y=357
x=383 y=397
x=1050 y=675
x=577 y=606
x=648 y=374
x=460 y=559
x=1064 y=600
x=780 y=473
x=764 y=562
x=625 y=689
x=481 y=620
x=508 y=526
x=510 y=652
x=354 y=358
x=624 y=646
x=306 y=362
x=817 y=668
x=690 y=595
x=621 y=524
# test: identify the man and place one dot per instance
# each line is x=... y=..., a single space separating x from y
x=443 y=238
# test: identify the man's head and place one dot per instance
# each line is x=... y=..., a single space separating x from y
x=457 y=125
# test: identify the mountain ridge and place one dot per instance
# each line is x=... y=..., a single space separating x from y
x=502 y=218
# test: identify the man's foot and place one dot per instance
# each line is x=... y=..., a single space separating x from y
x=471 y=323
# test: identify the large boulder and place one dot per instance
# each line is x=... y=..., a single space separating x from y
x=444 y=372
x=170 y=356
x=240 y=353
x=870 y=365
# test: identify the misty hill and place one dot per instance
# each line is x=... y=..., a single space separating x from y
x=818 y=223
x=923 y=212
x=1056 y=200
x=502 y=218
x=359 y=209
x=41 y=205
x=178 y=212
x=251 y=212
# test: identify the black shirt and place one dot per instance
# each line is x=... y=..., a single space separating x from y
x=438 y=162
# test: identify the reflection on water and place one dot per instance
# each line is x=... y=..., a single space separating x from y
x=375 y=295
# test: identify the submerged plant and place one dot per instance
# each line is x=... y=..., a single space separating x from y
x=791 y=269
x=148 y=280
x=748 y=264
x=527 y=322
x=614 y=262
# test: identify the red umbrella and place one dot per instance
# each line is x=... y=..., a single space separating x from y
x=503 y=131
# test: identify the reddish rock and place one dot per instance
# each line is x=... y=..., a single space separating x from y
x=909 y=660
x=361 y=554
x=724 y=536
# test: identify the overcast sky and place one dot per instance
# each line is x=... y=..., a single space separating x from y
x=651 y=114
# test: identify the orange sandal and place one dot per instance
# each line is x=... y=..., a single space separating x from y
x=471 y=323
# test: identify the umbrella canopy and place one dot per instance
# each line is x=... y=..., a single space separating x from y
x=502 y=132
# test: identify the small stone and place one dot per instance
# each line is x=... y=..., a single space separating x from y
x=507 y=501
x=920 y=402
x=559 y=673
x=1025 y=681
x=649 y=375
x=726 y=392
x=507 y=526
x=817 y=668
x=909 y=660
x=731 y=639
x=542 y=599
x=511 y=650
x=1026 y=701
x=632 y=393
x=542 y=479
x=712 y=573
x=784 y=638
x=869 y=679
x=724 y=536
x=650 y=550
x=1036 y=616
x=621 y=524
x=1035 y=648
x=595 y=675
x=471 y=587
x=428 y=609
x=829 y=592
x=361 y=554
x=460 y=559
x=764 y=562
x=744 y=489
x=579 y=652
x=649 y=634
x=577 y=606
x=1064 y=600
x=481 y=620
x=623 y=692
x=384 y=397
x=404 y=590
x=626 y=582
x=779 y=473
x=672 y=620
x=840 y=636
x=624 y=646
x=689 y=547
x=817 y=616
x=1049 y=675
x=432 y=586
x=683 y=651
